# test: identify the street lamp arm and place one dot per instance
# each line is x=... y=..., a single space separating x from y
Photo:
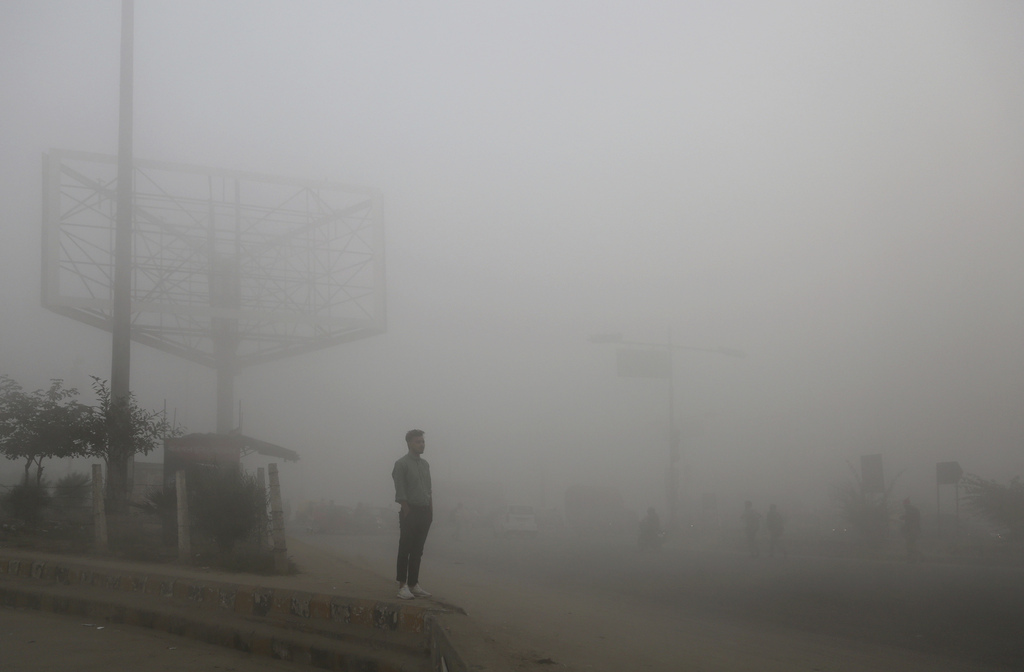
x=606 y=338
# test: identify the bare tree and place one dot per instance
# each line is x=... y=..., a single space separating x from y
x=867 y=514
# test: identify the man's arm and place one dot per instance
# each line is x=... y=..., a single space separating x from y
x=401 y=496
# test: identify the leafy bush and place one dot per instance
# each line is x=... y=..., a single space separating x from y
x=228 y=506
x=27 y=500
x=72 y=491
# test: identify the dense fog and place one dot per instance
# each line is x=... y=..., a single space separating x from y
x=833 y=189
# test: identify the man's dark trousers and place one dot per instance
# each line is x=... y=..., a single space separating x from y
x=414 y=527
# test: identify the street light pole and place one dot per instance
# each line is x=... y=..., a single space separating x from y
x=672 y=475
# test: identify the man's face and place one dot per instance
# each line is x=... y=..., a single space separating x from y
x=417 y=444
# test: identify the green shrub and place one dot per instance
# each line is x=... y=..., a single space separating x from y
x=27 y=500
x=228 y=506
x=72 y=491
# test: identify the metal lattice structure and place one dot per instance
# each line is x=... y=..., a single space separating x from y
x=229 y=268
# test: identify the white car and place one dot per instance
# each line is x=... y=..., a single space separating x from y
x=519 y=520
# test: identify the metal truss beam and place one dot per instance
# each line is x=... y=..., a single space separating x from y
x=229 y=268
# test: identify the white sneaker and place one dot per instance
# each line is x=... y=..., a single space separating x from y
x=419 y=592
x=405 y=593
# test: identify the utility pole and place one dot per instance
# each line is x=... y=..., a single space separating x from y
x=120 y=454
x=632 y=365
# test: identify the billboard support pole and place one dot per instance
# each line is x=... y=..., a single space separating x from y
x=121 y=457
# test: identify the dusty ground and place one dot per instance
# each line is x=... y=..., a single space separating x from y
x=558 y=605
x=552 y=603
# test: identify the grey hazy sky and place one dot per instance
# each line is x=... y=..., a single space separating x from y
x=834 y=188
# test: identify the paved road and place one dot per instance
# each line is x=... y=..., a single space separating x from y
x=602 y=605
x=34 y=641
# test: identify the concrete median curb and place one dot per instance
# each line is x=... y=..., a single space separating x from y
x=328 y=631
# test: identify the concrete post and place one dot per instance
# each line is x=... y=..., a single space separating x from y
x=277 y=520
x=265 y=538
x=98 y=511
x=184 y=541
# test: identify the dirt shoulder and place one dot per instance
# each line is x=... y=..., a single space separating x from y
x=659 y=613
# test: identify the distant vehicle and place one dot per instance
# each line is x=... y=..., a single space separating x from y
x=517 y=520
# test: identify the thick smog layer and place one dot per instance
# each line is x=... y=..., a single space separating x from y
x=613 y=259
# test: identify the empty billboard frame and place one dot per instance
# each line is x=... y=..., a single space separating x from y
x=229 y=268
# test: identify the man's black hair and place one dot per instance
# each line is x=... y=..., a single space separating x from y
x=412 y=434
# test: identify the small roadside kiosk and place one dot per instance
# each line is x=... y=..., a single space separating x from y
x=194 y=452
x=186 y=457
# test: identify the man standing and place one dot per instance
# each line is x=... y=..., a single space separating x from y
x=412 y=492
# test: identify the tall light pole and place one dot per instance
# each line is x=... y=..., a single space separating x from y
x=639 y=362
